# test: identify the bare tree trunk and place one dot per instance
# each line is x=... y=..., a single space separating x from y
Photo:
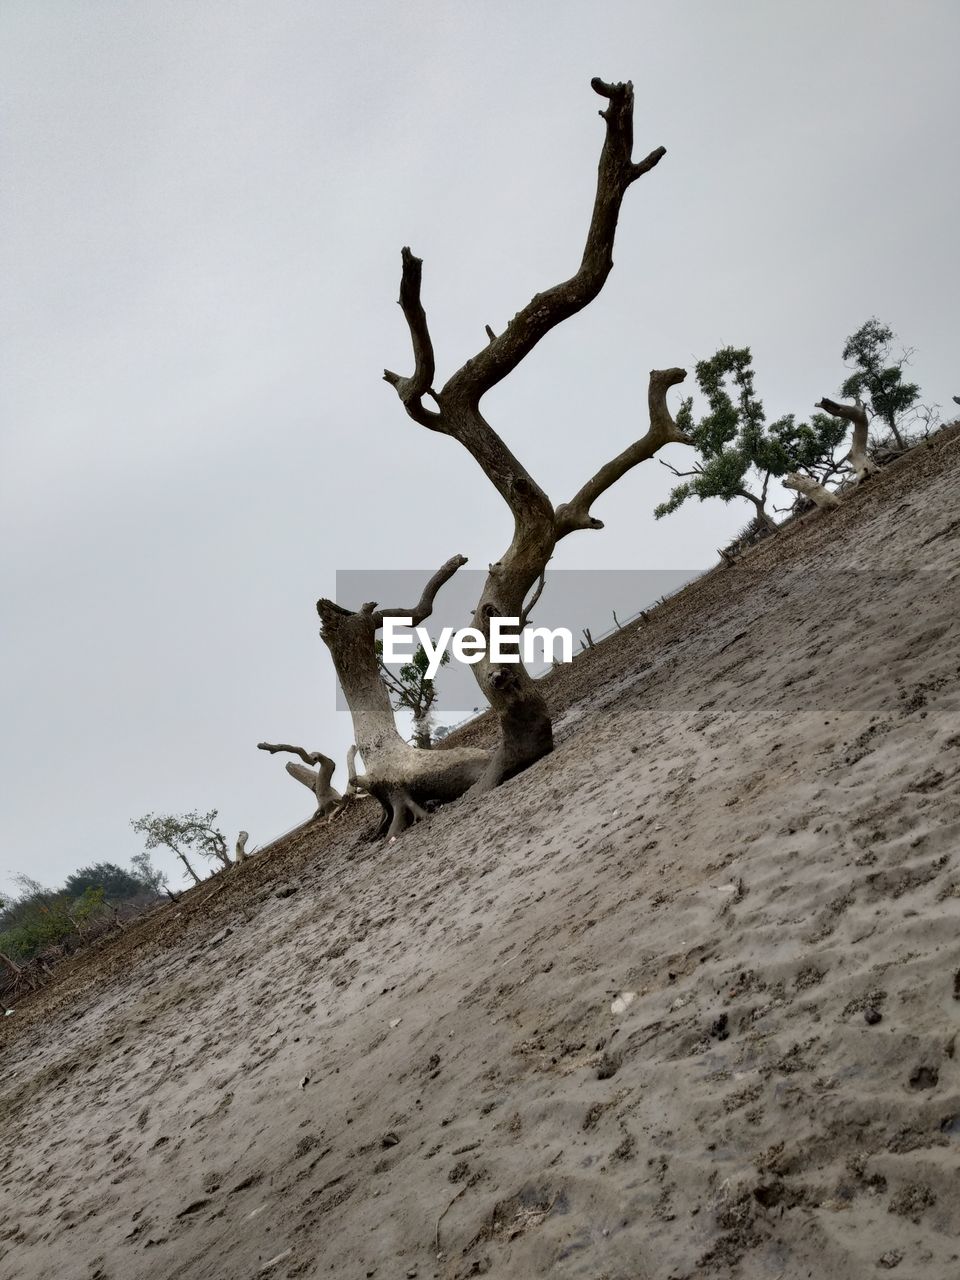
x=190 y=870
x=863 y=465
x=10 y=964
x=811 y=489
x=891 y=422
x=762 y=517
x=242 y=839
x=401 y=777
x=218 y=847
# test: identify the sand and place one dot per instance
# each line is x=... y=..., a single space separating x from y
x=683 y=1000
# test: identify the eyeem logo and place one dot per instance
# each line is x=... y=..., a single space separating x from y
x=468 y=644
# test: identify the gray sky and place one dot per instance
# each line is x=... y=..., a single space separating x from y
x=202 y=210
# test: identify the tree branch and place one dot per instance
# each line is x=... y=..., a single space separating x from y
x=412 y=390
x=546 y=310
x=424 y=607
x=683 y=475
x=575 y=514
x=395 y=685
x=308 y=757
x=528 y=607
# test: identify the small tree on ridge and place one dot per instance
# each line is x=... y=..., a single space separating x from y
x=739 y=452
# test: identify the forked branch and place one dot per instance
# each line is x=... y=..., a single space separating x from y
x=504 y=351
x=545 y=311
x=525 y=724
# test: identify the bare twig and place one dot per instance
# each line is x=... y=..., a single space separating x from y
x=528 y=608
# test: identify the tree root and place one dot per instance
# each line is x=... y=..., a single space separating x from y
x=408 y=786
x=401 y=811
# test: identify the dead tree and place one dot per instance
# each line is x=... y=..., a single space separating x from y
x=856 y=414
x=329 y=800
x=242 y=854
x=403 y=778
x=525 y=727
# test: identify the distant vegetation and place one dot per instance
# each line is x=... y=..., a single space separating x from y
x=39 y=920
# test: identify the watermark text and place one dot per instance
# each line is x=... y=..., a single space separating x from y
x=468 y=644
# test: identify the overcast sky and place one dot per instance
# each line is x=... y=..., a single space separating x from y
x=202 y=209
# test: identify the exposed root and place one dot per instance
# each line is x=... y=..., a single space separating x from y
x=405 y=812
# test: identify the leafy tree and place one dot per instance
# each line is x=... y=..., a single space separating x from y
x=411 y=690
x=41 y=918
x=182 y=833
x=151 y=877
x=739 y=452
x=877 y=378
x=117 y=884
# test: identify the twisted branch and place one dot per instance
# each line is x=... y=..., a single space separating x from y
x=308 y=757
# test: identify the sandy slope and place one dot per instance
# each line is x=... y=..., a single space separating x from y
x=752 y=821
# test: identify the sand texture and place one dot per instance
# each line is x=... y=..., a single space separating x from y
x=420 y=1063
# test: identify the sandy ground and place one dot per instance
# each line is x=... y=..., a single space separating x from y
x=415 y=1063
